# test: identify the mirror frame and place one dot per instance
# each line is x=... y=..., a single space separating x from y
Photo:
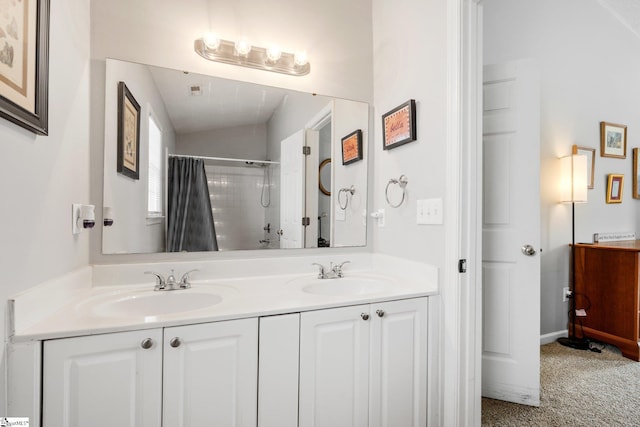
x=323 y=189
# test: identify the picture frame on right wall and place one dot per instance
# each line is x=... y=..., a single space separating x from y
x=615 y=186
x=636 y=174
x=613 y=140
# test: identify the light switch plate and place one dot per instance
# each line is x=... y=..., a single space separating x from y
x=429 y=211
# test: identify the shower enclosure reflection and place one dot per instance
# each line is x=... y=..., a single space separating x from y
x=235 y=132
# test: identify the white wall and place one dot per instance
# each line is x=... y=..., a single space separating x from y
x=132 y=232
x=589 y=74
x=240 y=142
x=336 y=35
x=43 y=175
x=410 y=67
x=348 y=117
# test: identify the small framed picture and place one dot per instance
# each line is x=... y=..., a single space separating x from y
x=352 y=147
x=615 y=185
x=613 y=140
x=399 y=125
x=591 y=162
x=636 y=174
x=128 y=133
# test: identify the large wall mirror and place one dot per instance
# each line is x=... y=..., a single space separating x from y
x=226 y=165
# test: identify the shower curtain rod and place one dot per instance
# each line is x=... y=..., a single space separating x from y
x=227 y=159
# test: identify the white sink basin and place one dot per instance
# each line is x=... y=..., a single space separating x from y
x=346 y=286
x=148 y=304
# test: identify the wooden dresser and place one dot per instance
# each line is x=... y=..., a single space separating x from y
x=607 y=282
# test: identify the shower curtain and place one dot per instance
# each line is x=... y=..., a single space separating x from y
x=190 y=225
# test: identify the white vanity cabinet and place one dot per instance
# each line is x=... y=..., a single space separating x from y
x=193 y=375
x=210 y=374
x=103 y=380
x=364 y=365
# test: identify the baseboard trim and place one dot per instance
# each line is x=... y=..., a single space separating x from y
x=549 y=338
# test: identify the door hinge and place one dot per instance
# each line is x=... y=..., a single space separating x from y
x=306 y=150
x=306 y=221
x=462 y=266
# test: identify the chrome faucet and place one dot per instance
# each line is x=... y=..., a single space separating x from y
x=334 y=271
x=170 y=284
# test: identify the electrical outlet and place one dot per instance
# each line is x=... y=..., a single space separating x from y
x=566 y=294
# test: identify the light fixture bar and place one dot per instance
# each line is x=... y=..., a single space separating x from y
x=256 y=58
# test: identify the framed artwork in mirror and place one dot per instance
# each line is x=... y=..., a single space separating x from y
x=613 y=140
x=324 y=177
x=399 y=125
x=636 y=174
x=128 y=133
x=24 y=64
x=615 y=186
x=352 y=147
x=591 y=162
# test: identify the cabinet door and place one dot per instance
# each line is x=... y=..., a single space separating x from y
x=399 y=364
x=334 y=367
x=278 y=371
x=211 y=374
x=103 y=380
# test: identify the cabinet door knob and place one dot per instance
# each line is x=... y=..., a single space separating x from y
x=175 y=342
x=146 y=343
x=364 y=316
x=380 y=313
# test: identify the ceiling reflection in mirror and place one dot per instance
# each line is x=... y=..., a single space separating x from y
x=227 y=165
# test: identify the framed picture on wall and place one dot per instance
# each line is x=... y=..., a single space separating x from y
x=591 y=161
x=24 y=64
x=613 y=140
x=636 y=174
x=615 y=186
x=399 y=125
x=352 y=147
x=128 y=133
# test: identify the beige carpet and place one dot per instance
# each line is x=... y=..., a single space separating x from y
x=577 y=388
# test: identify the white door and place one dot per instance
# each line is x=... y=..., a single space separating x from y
x=311 y=187
x=292 y=191
x=211 y=374
x=398 y=388
x=334 y=367
x=511 y=220
x=103 y=380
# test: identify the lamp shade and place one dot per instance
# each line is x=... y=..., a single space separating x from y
x=573 y=179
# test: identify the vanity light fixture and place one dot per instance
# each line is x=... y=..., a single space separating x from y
x=242 y=53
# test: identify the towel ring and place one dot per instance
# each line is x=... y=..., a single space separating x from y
x=351 y=190
x=402 y=182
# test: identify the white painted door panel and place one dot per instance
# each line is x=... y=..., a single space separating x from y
x=292 y=191
x=278 y=371
x=334 y=367
x=398 y=386
x=511 y=219
x=210 y=379
x=103 y=380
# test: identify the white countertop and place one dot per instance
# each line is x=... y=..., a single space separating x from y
x=78 y=313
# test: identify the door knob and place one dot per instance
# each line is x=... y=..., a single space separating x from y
x=528 y=250
x=364 y=316
x=380 y=313
x=146 y=343
x=175 y=342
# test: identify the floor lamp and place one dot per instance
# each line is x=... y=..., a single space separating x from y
x=574 y=190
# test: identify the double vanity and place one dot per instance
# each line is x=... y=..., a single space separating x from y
x=261 y=342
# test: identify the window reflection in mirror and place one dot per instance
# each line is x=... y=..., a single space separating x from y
x=237 y=128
